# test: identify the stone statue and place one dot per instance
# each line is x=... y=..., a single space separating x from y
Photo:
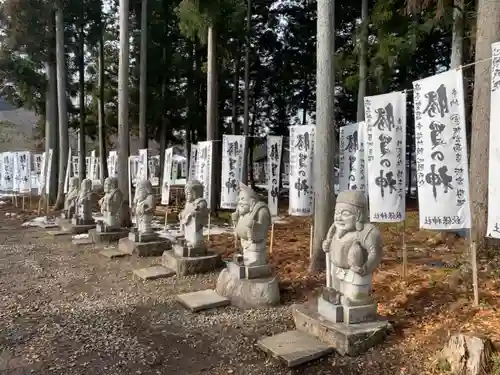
x=111 y=204
x=144 y=207
x=70 y=201
x=84 y=204
x=353 y=250
x=194 y=215
x=252 y=220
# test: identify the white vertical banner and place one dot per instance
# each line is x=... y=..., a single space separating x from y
x=1 y=172
x=167 y=176
x=494 y=162
x=37 y=170
x=112 y=163
x=233 y=157
x=15 y=175
x=193 y=162
x=8 y=171
x=142 y=173
x=68 y=172
x=301 y=190
x=94 y=168
x=22 y=172
x=48 y=163
x=352 y=157
x=175 y=169
x=88 y=161
x=154 y=170
x=43 y=173
x=75 y=166
x=385 y=145
x=131 y=177
x=441 y=152
x=274 y=151
x=204 y=168
x=184 y=168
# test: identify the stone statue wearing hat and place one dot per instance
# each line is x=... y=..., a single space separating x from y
x=354 y=249
x=84 y=204
x=194 y=215
x=111 y=204
x=252 y=220
x=71 y=198
x=144 y=207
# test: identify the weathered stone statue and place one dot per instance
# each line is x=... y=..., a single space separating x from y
x=353 y=250
x=111 y=205
x=84 y=204
x=193 y=217
x=70 y=201
x=144 y=207
x=252 y=220
x=142 y=239
x=249 y=281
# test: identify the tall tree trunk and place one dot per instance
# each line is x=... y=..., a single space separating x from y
x=457 y=43
x=246 y=110
x=123 y=97
x=143 y=132
x=51 y=126
x=212 y=106
x=82 y=165
x=325 y=146
x=363 y=61
x=236 y=82
x=62 y=105
x=102 y=137
x=164 y=122
x=488 y=32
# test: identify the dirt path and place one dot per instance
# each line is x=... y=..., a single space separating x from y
x=66 y=310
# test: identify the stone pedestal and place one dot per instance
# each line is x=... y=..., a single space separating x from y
x=144 y=245
x=73 y=226
x=191 y=261
x=106 y=238
x=347 y=339
x=247 y=293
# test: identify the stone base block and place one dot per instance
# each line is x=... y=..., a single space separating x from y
x=183 y=251
x=77 y=221
x=252 y=272
x=191 y=265
x=142 y=237
x=154 y=272
x=68 y=227
x=351 y=340
x=106 y=238
x=113 y=253
x=248 y=293
x=144 y=249
x=294 y=347
x=202 y=300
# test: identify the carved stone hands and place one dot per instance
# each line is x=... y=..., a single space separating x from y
x=234 y=218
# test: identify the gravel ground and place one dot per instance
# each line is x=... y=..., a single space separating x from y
x=67 y=310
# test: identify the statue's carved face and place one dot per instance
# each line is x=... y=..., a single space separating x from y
x=107 y=185
x=189 y=194
x=244 y=203
x=73 y=184
x=86 y=186
x=142 y=193
x=345 y=217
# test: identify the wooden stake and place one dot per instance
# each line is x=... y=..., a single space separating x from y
x=311 y=242
x=209 y=220
x=475 y=285
x=405 y=252
x=272 y=239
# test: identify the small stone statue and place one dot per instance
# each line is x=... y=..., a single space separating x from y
x=252 y=220
x=70 y=201
x=84 y=204
x=111 y=205
x=144 y=207
x=194 y=215
x=354 y=249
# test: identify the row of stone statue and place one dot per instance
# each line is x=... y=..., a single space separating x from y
x=353 y=246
